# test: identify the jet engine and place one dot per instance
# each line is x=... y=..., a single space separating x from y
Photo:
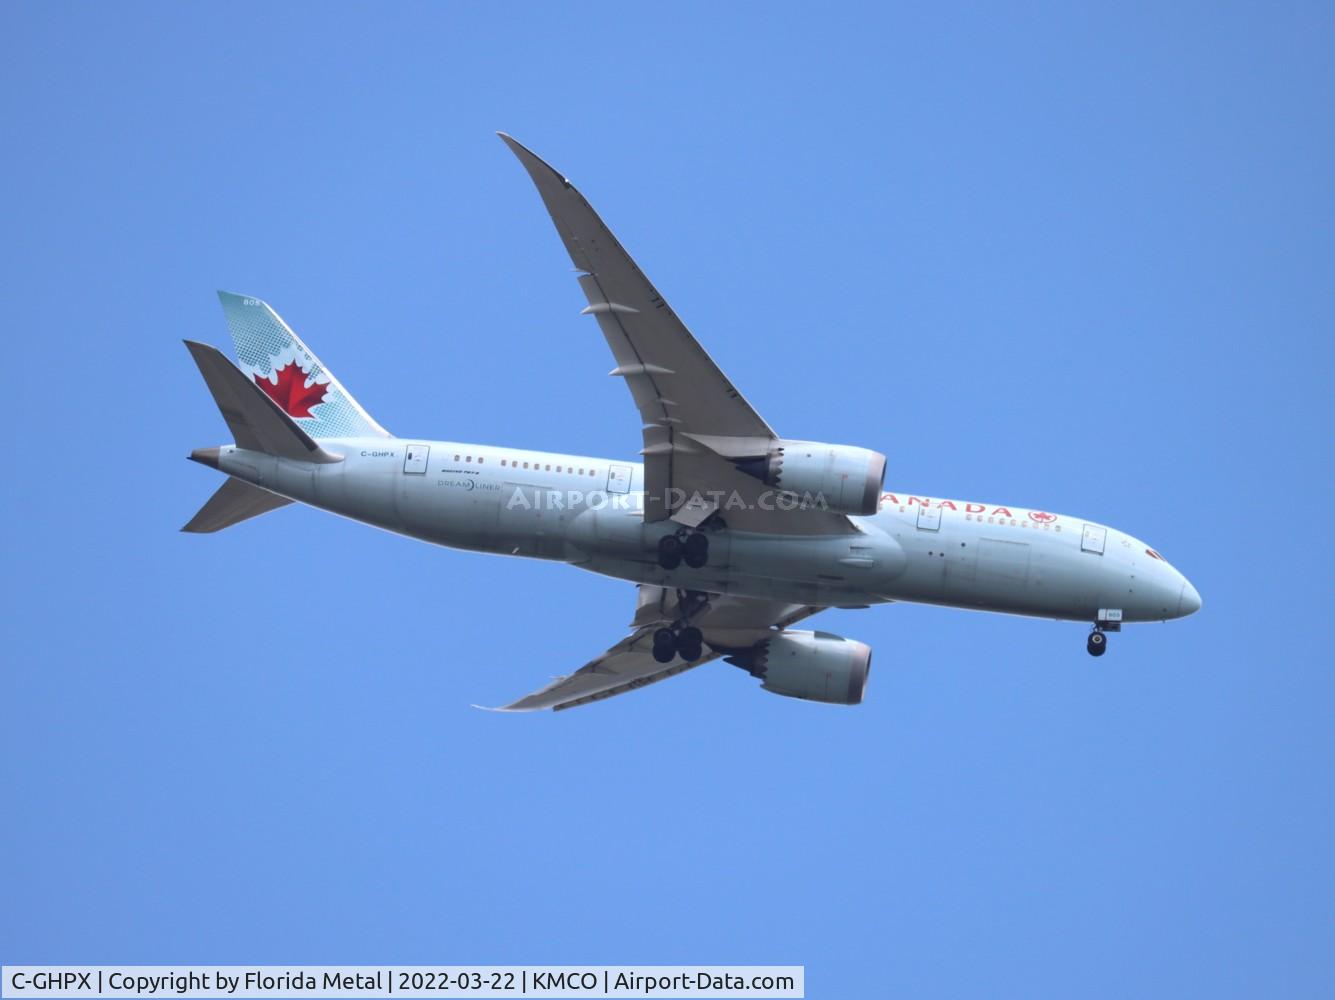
x=815 y=666
x=810 y=475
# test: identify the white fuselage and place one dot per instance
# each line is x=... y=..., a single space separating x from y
x=587 y=512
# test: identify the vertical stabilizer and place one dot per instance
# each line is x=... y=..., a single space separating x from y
x=279 y=363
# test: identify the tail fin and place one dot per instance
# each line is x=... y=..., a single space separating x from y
x=280 y=364
x=255 y=420
x=234 y=502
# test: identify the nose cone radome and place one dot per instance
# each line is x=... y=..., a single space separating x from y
x=1189 y=602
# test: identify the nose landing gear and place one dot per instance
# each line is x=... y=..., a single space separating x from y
x=1107 y=620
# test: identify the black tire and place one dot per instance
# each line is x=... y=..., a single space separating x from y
x=690 y=653
x=689 y=637
x=1097 y=644
x=695 y=550
x=665 y=645
x=669 y=552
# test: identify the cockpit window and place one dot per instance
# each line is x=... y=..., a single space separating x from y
x=1154 y=555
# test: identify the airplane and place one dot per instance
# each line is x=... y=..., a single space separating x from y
x=731 y=534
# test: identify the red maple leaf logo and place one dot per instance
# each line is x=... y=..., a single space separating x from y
x=292 y=393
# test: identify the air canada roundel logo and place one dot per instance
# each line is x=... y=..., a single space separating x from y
x=291 y=392
x=1042 y=516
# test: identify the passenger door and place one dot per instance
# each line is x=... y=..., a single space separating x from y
x=415 y=458
x=929 y=518
x=1094 y=539
x=618 y=478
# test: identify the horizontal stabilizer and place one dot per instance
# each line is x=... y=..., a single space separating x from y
x=256 y=422
x=235 y=501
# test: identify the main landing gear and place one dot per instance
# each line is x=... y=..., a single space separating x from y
x=682 y=638
x=688 y=643
x=691 y=548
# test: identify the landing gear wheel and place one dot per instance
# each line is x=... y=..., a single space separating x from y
x=669 y=552
x=695 y=550
x=1097 y=644
x=665 y=645
x=688 y=637
x=690 y=653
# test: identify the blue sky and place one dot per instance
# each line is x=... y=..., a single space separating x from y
x=1055 y=258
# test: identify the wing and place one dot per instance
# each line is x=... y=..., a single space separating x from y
x=687 y=405
x=727 y=623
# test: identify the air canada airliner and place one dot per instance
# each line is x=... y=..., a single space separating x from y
x=731 y=534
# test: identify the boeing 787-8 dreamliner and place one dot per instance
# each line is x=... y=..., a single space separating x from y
x=731 y=533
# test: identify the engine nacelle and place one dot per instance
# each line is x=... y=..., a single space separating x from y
x=816 y=666
x=814 y=476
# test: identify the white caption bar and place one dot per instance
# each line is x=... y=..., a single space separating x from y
x=590 y=981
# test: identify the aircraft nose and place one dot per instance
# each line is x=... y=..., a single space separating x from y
x=1189 y=602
